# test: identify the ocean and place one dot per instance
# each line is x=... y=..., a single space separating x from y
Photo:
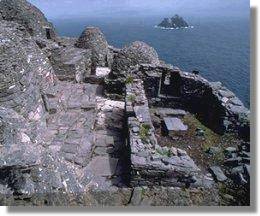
x=218 y=47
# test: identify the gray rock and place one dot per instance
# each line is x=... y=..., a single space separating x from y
x=136 y=129
x=218 y=173
x=25 y=71
x=100 y=151
x=200 y=132
x=237 y=170
x=226 y=93
x=71 y=63
x=231 y=150
x=245 y=154
x=181 y=152
x=247 y=170
x=24 y=13
x=174 y=124
x=233 y=161
x=213 y=150
x=103 y=165
x=137 y=196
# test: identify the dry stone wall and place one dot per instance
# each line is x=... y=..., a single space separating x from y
x=217 y=106
x=152 y=164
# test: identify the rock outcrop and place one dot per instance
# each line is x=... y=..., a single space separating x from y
x=27 y=15
x=175 y=22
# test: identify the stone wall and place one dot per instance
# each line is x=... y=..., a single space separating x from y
x=152 y=164
x=71 y=63
x=25 y=71
x=214 y=104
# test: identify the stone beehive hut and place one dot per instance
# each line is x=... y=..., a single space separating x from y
x=92 y=38
x=137 y=53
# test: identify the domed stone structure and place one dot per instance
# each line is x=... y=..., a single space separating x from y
x=29 y=16
x=137 y=53
x=92 y=38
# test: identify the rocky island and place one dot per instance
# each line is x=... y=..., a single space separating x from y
x=175 y=22
x=83 y=123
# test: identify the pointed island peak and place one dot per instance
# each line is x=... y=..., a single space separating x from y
x=174 y=22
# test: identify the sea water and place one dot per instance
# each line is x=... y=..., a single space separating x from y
x=217 y=47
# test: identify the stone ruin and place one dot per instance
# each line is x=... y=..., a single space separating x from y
x=151 y=164
x=76 y=126
x=93 y=39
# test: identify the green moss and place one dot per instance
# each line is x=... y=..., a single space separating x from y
x=210 y=138
x=131 y=98
x=164 y=152
x=144 y=131
x=129 y=80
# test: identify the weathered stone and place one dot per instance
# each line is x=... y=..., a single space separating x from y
x=174 y=22
x=218 y=173
x=100 y=151
x=174 y=125
x=102 y=71
x=24 y=13
x=233 y=161
x=93 y=39
x=137 y=53
x=25 y=71
x=48 y=156
x=200 y=132
x=71 y=63
x=137 y=196
x=213 y=150
x=247 y=170
x=181 y=152
x=103 y=166
x=163 y=112
x=231 y=150
x=236 y=170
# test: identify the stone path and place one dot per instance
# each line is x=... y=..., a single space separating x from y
x=84 y=130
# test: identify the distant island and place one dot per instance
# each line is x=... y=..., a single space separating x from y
x=175 y=22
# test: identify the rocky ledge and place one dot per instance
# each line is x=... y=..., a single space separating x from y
x=83 y=123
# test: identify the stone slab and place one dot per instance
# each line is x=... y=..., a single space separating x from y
x=175 y=124
x=103 y=165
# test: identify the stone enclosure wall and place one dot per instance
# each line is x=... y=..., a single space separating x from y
x=151 y=164
x=214 y=104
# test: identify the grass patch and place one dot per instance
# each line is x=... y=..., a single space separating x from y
x=144 y=131
x=210 y=138
x=164 y=152
x=131 y=98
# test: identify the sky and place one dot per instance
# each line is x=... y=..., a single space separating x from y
x=98 y=8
